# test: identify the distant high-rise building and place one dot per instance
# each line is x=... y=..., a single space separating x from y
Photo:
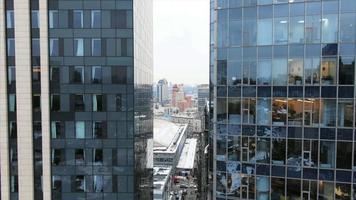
x=75 y=99
x=162 y=91
x=179 y=99
x=203 y=96
x=283 y=96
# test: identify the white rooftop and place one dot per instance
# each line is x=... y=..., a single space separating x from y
x=186 y=160
x=166 y=134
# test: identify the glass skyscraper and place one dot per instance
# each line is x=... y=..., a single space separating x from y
x=75 y=99
x=283 y=96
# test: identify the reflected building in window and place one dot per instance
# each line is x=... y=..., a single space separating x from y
x=75 y=99
x=282 y=77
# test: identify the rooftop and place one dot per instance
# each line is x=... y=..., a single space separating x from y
x=166 y=135
x=187 y=157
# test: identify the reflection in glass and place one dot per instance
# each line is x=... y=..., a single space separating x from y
x=327 y=154
x=264 y=32
x=264 y=72
x=295 y=71
x=295 y=112
x=329 y=28
x=296 y=32
x=78 y=47
x=249 y=111
x=279 y=112
x=279 y=71
x=311 y=112
x=263 y=111
x=312 y=29
x=281 y=30
x=328 y=71
x=345 y=113
x=312 y=70
x=328 y=112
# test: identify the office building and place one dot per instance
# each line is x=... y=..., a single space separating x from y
x=203 y=97
x=75 y=99
x=162 y=92
x=283 y=80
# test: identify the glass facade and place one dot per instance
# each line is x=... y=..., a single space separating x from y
x=94 y=136
x=283 y=89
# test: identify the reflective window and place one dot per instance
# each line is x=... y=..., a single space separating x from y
x=10 y=47
x=250 y=31
x=280 y=71
x=281 y=30
x=36 y=47
x=118 y=75
x=263 y=111
x=329 y=24
x=96 y=74
x=311 y=112
x=12 y=102
x=35 y=19
x=347 y=27
x=36 y=74
x=53 y=19
x=54 y=47
x=77 y=19
x=98 y=156
x=36 y=103
x=56 y=183
x=10 y=19
x=312 y=29
x=296 y=32
x=235 y=32
x=14 y=184
x=98 y=130
x=95 y=18
x=261 y=2
x=58 y=157
x=279 y=112
x=312 y=70
x=78 y=47
x=234 y=110
x=264 y=72
x=327 y=154
x=346 y=70
x=264 y=32
x=80 y=130
x=119 y=101
x=96 y=47
x=295 y=112
x=11 y=78
x=98 y=182
x=345 y=113
x=328 y=112
x=249 y=110
x=234 y=72
x=295 y=71
x=54 y=74
x=328 y=71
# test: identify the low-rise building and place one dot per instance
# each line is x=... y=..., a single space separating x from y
x=161 y=182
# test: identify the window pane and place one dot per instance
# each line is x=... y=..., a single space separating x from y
x=35 y=20
x=55 y=102
x=11 y=47
x=281 y=30
x=97 y=102
x=347 y=27
x=234 y=72
x=296 y=34
x=96 y=74
x=54 y=47
x=311 y=112
x=78 y=74
x=118 y=75
x=279 y=112
x=36 y=102
x=78 y=47
x=79 y=102
x=55 y=74
x=329 y=28
x=80 y=130
x=328 y=71
x=264 y=32
x=264 y=73
x=328 y=112
x=78 y=19
x=312 y=70
x=36 y=47
x=53 y=19
x=10 y=19
x=250 y=32
x=280 y=70
x=235 y=33
x=295 y=71
x=327 y=154
x=346 y=71
x=96 y=47
x=12 y=102
x=11 y=75
x=345 y=113
x=312 y=29
x=79 y=184
x=263 y=111
x=95 y=19
x=98 y=183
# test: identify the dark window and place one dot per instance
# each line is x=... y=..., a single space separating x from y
x=55 y=102
x=56 y=130
x=119 y=102
x=13 y=130
x=79 y=156
x=79 y=183
x=55 y=74
x=96 y=74
x=58 y=156
x=37 y=130
x=79 y=102
x=14 y=184
x=98 y=156
x=10 y=19
x=56 y=183
x=118 y=75
x=54 y=47
x=78 y=74
x=98 y=130
x=98 y=103
x=12 y=102
x=346 y=71
x=36 y=103
x=36 y=74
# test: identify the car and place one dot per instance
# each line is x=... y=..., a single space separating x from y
x=183 y=186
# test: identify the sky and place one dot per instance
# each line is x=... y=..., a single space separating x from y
x=181 y=41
